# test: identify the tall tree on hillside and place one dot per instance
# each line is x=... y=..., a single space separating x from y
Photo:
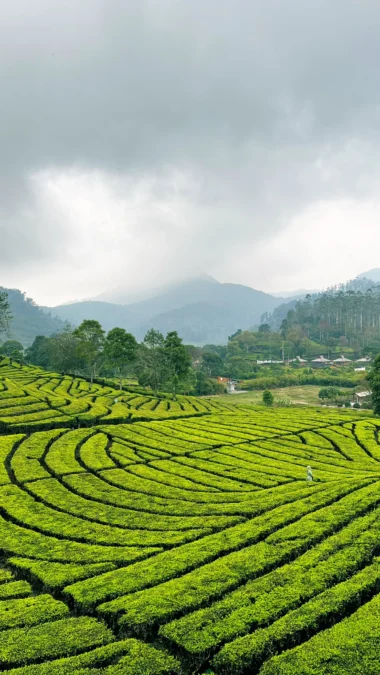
x=64 y=353
x=39 y=353
x=177 y=358
x=120 y=351
x=212 y=364
x=374 y=380
x=91 y=339
x=151 y=366
x=5 y=313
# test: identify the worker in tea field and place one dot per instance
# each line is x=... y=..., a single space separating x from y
x=309 y=474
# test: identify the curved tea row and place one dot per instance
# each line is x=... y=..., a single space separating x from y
x=185 y=542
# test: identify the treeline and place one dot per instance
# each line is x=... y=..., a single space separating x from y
x=161 y=363
x=343 y=317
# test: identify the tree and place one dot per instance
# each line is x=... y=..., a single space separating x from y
x=39 y=353
x=329 y=393
x=63 y=350
x=264 y=328
x=177 y=358
x=268 y=398
x=202 y=385
x=120 y=351
x=374 y=381
x=13 y=349
x=212 y=364
x=5 y=313
x=151 y=367
x=91 y=339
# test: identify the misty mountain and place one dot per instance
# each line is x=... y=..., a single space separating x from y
x=29 y=319
x=198 y=323
x=373 y=274
x=202 y=310
x=362 y=283
x=108 y=314
x=123 y=296
x=298 y=293
x=249 y=303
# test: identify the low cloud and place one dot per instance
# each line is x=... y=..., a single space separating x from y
x=143 y=142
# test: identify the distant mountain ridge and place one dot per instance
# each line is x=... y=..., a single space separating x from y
x=373 y=274
x=29 y=320
x=202 y=310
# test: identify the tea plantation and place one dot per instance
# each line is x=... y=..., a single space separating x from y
x=145 y=536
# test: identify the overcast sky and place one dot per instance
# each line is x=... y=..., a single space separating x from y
x=144 y=141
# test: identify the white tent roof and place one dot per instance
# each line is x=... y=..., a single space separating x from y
x=342 y=359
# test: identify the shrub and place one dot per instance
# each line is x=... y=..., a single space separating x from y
x=268 y=398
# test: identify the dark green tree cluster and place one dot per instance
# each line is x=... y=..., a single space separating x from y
x=329 y=394
x=338 y=318
x=5 y=314
x=13 y=349
x=374 y=381
x=159 y=362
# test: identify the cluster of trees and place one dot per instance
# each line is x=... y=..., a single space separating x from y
x=5 y=314
x=339 y=318
x=159 y=362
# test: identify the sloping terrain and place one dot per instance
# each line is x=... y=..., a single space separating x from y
x=29 y=320
x=145 y=535
x=201 y=310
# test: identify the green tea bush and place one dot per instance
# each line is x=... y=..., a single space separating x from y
x=189 y=524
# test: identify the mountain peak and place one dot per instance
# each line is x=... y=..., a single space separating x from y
x=372 y=275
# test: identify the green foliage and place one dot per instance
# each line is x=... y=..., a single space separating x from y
x=187 y=523
x=120 y=351
x=49 y=640
x=268 y=398
x=91 y=340
x=5 y=313
x=177 y=359
x=329 y=393
x=30 y=611
x=374 y=380
x=205 y=386
x=39 y=352
x=302 y=377
x=212 y=363
x=13 y=349
x=348 y=647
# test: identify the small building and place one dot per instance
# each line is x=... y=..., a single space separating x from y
x=362 y=396
x=320 y=362
x=223 y=380
x=362 y=363
x=301 y=362
x=230 y=384
x=342 y=361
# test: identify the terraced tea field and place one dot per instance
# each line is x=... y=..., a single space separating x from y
x=140 y=535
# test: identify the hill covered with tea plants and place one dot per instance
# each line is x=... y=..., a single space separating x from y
x=144 y=535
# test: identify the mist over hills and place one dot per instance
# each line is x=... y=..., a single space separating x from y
x=29 y=319
x=373 y=274
x=202 y=310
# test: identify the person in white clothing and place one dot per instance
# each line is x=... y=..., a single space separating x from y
x=309 y=474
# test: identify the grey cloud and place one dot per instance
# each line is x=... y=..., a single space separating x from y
x=268 y=104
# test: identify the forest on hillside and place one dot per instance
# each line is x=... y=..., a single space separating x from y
x=342 y=322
